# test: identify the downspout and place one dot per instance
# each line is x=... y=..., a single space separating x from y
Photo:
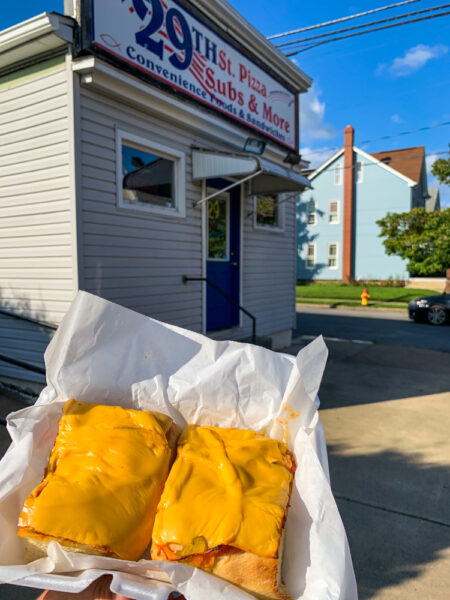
x=349 y=180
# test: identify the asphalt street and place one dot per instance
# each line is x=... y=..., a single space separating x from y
x=376 y=326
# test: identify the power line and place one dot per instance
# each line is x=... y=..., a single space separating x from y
x=350 y=35
x=386 y=137
x=322 y=35
x=374 y=164
x=342 y=19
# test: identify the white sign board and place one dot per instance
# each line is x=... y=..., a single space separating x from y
x=163 y=39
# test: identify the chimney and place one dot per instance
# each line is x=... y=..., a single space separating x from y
x=348 y=201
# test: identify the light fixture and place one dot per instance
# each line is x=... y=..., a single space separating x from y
x=292 y=158
x=254 y=146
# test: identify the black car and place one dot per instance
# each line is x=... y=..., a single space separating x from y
x=434 y=309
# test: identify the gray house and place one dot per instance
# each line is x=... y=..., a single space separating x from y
x=129 y=168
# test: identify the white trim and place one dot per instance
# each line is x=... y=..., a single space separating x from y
x=336 y=255
x=314 y=245
x=76 y=225
x=149 y=145
x=204 y=255
x=326 y=164
x=227 y=229
x=280 y=228
x=338 y=174
x=338 y=212
x=380 y=163
x=359 y=175
x=314 y=213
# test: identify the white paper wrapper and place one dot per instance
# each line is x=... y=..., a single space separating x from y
x=103 y=353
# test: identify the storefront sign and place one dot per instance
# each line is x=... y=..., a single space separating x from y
x=166 y=41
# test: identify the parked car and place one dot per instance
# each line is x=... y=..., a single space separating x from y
x=433 y=309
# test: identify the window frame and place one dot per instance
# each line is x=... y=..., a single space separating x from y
x=227 y=215
x=336 y=256
x=338 y=212
x=359 y=174
x=338 y=169
x=308 y=203
x=280 y=208
x=179 y=177
x=313 y=245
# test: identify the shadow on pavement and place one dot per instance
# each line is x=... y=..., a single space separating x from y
x=364 y=374
x=396 y=514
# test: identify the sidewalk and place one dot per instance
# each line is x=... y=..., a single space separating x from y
x=386 y=412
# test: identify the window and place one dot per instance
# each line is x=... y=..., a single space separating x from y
x=311 y=212
x=359 y=172
x=338 y=174
x=218 y=226
x=332 y=256
x=333 y=212
x=268 y=212
x=150 y=177
x=310 y=256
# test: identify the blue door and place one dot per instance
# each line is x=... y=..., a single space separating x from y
x=222 y=264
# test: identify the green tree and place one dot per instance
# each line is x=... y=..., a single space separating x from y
x=441 y=170
x=422 y=238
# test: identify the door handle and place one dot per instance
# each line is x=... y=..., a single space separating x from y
x=234 y=264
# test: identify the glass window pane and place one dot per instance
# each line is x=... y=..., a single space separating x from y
x=267 y=210
x=218 y=227
x=147 y=178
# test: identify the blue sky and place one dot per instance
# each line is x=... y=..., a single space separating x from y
x=383 y=83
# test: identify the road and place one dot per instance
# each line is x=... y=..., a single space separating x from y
x=376 y=326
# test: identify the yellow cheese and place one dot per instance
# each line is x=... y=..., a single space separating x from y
x=226 y=487
x=104 y=479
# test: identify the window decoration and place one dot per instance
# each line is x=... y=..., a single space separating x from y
x=332 y=256
x=333 y=212
x=311 y=212
x=310 y=256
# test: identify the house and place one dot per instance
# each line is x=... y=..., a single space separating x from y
x=337 y=232
x=153 y=163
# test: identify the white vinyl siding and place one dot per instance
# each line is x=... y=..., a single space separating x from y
x=36 y=253
x=137 y=259
x=269 y=271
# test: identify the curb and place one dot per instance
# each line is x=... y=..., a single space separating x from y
x=333 y=305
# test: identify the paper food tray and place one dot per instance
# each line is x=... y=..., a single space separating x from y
x=103 y=353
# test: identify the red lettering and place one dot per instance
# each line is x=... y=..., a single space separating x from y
x=210 y=78
x=242 y=73
x=222 y=60
x=240 y=99
x=267 y=112
x=231 y=92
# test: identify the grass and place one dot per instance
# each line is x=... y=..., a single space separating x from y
x=339 y=291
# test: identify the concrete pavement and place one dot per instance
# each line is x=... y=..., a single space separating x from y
x=386 y=412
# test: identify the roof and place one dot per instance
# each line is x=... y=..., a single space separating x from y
x=407 y=161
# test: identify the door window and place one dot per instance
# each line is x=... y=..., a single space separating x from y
x=218 y=227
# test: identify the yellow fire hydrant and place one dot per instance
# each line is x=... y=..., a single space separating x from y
x=365 y=297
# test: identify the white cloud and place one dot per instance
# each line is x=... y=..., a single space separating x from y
x=429 y=160
x=396 y=118
x=414 y=59
x=316 y=156
x=312 y=117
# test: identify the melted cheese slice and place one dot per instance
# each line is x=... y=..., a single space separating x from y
x=226 y=487
x=104 y=479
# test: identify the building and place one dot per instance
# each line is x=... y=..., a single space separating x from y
x=337 y=230
x=128 y=169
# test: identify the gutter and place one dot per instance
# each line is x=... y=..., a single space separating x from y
x=46 y=33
